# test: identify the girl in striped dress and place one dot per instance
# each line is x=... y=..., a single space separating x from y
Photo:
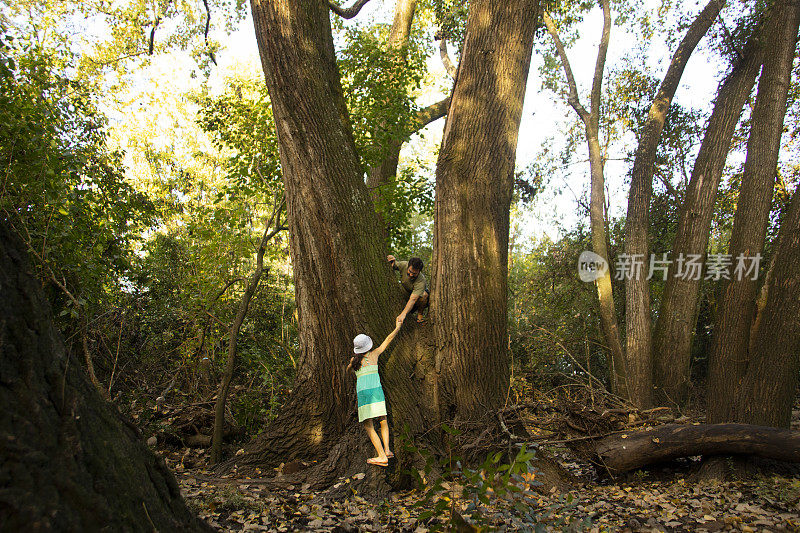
x=371 y=401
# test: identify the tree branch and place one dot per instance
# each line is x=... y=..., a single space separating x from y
x=349 y=12
x=153 y=36
x=597 y=80
x=446 y=61
x=223 y=289
x=205 y=34
x=667 y=185
x=572 y=99
x=428 y=114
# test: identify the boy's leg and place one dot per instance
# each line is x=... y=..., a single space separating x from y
x=421 y=304
x=375 y=440
x=385 y=435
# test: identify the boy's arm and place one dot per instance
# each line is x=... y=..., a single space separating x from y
x=407 y=309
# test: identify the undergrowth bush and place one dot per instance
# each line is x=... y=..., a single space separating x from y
x=454 y=495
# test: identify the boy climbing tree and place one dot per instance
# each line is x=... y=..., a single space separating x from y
x=415 y=284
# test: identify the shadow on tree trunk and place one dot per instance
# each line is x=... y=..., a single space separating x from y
x=71 y=462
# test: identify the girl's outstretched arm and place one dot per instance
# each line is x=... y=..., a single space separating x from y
x=389 y=338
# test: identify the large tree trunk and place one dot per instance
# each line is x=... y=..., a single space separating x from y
x=672 y=339
x=343 y=285
x=70 y=462
x=737 y=301
x=637 y=288
x=474 y=181
x=769 y=387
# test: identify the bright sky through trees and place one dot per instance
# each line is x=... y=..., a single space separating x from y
x=546 y=116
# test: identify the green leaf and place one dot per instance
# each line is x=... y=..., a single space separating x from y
x=452 y=431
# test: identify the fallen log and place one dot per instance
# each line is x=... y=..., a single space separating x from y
x=627 y=451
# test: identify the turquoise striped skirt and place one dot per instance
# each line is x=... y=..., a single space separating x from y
x=371 y=402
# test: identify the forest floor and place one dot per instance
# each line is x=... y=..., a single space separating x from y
x=641 y=503
x=759 y=504
x=666 y=497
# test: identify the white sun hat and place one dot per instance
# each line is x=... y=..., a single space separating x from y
x=362 y=343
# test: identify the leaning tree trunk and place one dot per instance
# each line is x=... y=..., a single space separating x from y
x=672 y=339
x=637 y=288
x=737 y=300
x=597 y=219
x=70 y=461
x=233 y=333
x=769 y=387
x=474 y=180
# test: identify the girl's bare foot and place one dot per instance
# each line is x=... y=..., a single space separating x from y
x=389 y=454
x=377 y=461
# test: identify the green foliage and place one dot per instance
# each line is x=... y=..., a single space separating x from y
x=398 y=200
x=454 y=495
x=379 y=80
x=193 y=271
x=451 y=17
x=553 y=320
x=64 y=191
x=240 y=122
x=740 y=22
x=114 y=35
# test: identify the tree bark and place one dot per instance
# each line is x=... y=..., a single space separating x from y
x=672 y=338
x=474 y=181
x=768 y=389
x=626 y=451
x=637 y=288
x=342 y=282
x=344 y=285
x=737 y=300
x=349 y=12
x=597 y=220
x=70 y=461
